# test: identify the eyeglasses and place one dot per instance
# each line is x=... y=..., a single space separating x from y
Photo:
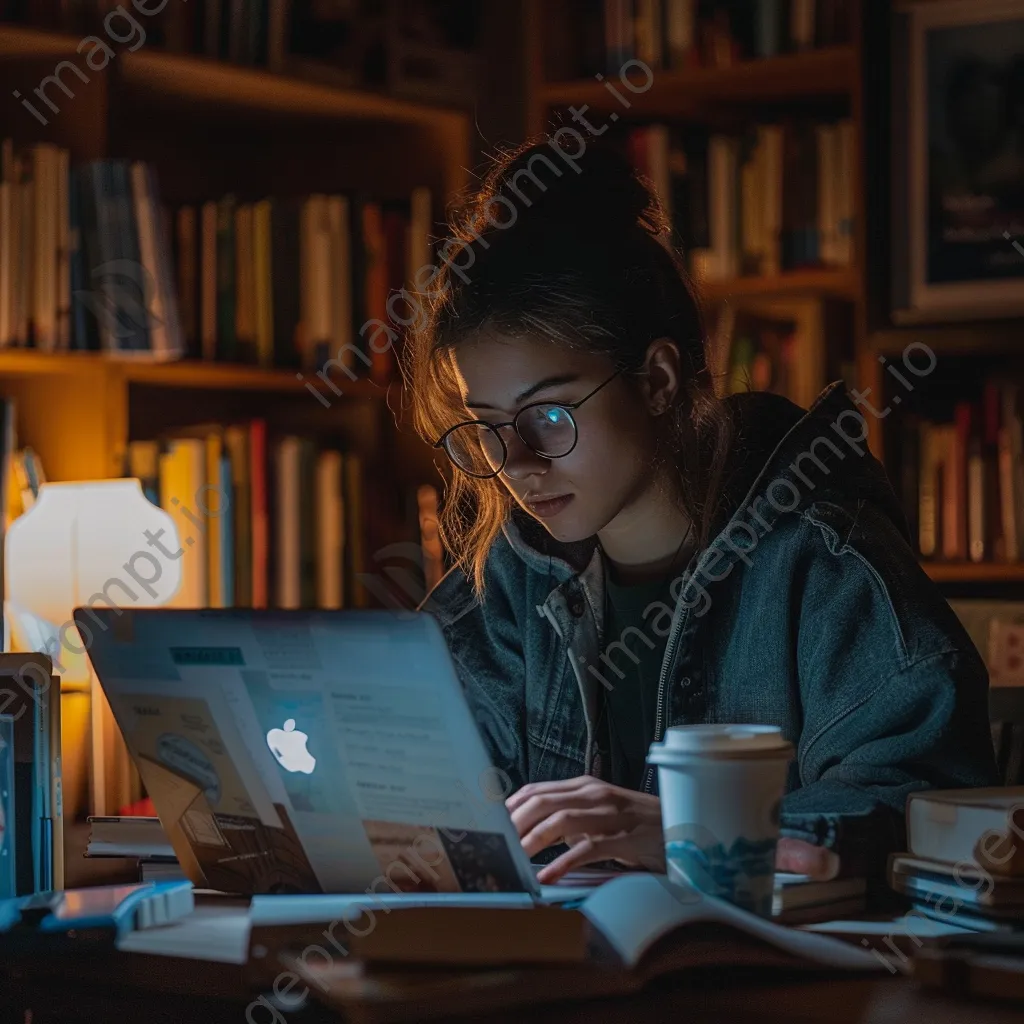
x=547 y=428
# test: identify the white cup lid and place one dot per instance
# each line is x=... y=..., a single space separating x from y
x=721 y=739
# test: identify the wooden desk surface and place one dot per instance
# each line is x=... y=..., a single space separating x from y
x=125 y=988
x=121 y=988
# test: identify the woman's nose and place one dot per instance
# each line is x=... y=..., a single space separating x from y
x=522 y=461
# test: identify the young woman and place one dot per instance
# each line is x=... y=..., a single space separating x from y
x=634 y=552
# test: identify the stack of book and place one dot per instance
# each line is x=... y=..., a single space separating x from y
x=275 y=520
x=300 y=281
x=686 y=34
x=965 y=859
x=799 y=899
x=84 y=256
x=963 y=481
x=140 y=839
x=781 y=197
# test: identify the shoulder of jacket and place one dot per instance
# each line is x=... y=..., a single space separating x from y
x=454 y=595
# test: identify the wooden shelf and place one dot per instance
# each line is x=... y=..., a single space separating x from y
x=196 y=79
x=996 y=337
x=971 y=572
x=21 y=362
x=228 y=376
x=23 y=41
x=828 y=72
x=200 y=79
x=842 y=283
x=179 y=374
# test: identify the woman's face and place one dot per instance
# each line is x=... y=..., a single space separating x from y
x=581 y=493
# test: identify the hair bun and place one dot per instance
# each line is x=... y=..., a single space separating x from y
x=587 y=187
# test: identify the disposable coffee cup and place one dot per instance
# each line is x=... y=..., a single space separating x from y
x=720 y=788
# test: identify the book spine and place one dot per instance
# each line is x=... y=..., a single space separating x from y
x=245 y=305
x=927 y=496
x=287 y=524
x=680 y=32
x=259 y=510
x=7 y=212
x=188 y=284
x=208 y=282
x=227 y=342
x=330 y=527
x=215 y=499
x=64 y=242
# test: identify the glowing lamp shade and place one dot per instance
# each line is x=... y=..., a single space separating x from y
x=85 y=544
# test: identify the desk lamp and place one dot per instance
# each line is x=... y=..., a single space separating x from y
x=86 y=544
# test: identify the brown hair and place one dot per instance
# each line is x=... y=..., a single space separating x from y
x=577 y=251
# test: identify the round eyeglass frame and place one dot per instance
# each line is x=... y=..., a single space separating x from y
x=567 y=407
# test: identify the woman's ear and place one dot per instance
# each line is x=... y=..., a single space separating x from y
x=664 y=376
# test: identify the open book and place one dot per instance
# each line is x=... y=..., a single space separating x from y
x=637 y=927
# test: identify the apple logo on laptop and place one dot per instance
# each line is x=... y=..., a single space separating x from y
x=288 y=745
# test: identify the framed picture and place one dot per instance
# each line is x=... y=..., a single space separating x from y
x=958 y=160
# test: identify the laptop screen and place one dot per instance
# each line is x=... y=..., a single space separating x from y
x=317 y=751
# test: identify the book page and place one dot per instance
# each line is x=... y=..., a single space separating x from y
x=635 y=911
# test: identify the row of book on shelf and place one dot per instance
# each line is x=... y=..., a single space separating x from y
x=780 y=197
x=684 y=34
x=252 y=33
x=963 y=480
x=91 y=259
x=265 y=519
x=295 y=282
x=274 y=520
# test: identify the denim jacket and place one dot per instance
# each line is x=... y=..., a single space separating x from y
x=808 y=611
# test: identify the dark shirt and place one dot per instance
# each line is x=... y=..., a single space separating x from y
x=626 y=728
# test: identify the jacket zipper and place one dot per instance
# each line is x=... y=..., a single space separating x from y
x=659 y=712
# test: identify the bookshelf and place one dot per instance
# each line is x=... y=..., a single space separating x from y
x=570 y=65
x=841 y=283
x=208 y=128
x=975 y=572
x=121 y=112
x=694 y=94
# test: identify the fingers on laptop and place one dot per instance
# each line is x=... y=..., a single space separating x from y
x=547 y=799
x=592 y=849
x=531 y=789
x=572 y=824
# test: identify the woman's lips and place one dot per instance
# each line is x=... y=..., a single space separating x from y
x=549 y=507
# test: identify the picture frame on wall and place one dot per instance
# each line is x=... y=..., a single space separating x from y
x=958 y=160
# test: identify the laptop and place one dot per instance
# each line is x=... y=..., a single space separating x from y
x=308 y=751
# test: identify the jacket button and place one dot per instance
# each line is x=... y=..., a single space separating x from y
x=576 y=608
x=685 y=680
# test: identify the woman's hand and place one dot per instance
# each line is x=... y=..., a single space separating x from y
x=597 y=820
x=805 y=859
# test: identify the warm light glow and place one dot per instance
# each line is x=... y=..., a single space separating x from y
x=85 y=544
